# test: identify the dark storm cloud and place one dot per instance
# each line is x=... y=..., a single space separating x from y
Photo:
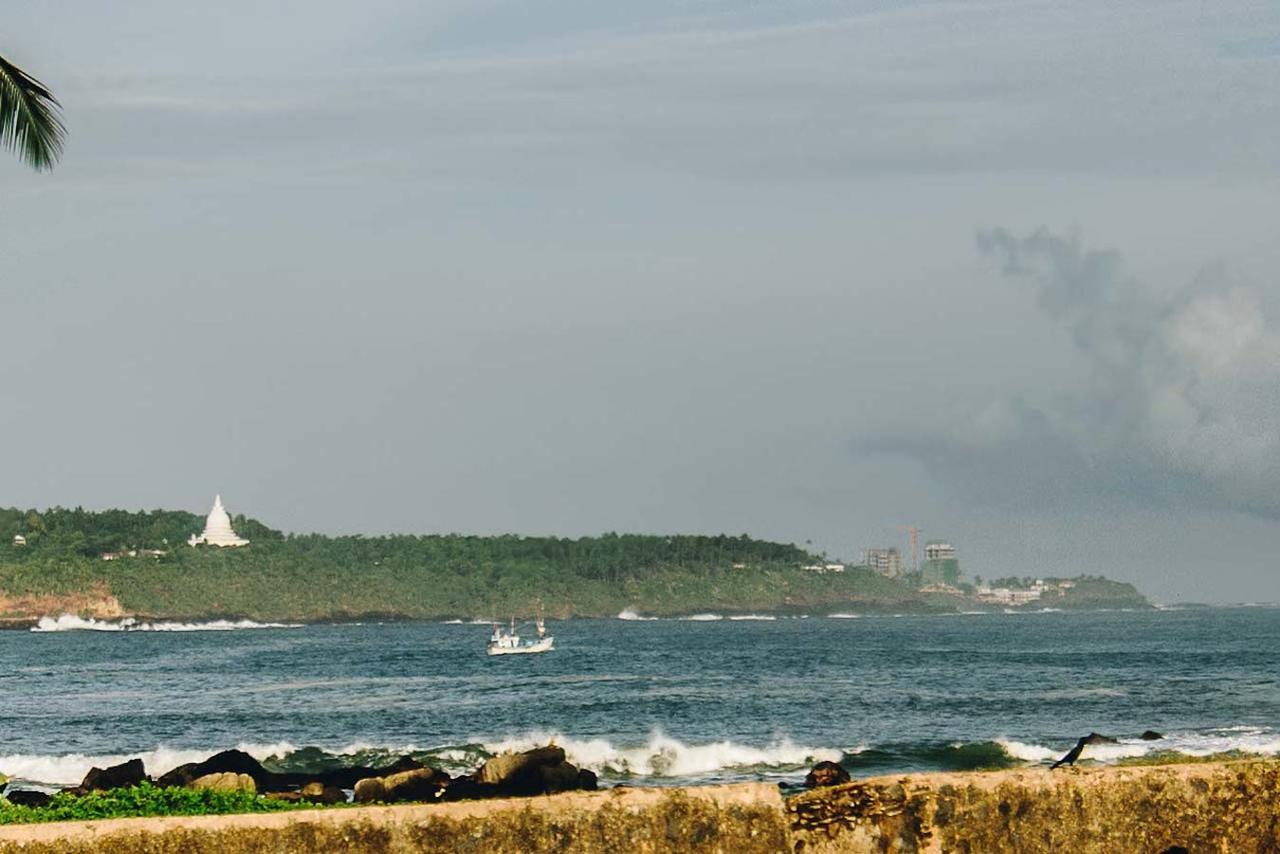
x=1178 y=404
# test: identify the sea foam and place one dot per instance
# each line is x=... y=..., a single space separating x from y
x=72 y=623
x=664 y=756
x=631 y=616
x=1253 y=740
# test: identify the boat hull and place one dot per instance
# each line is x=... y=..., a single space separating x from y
x=544 y=645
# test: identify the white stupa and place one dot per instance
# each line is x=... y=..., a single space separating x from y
x=217 y=528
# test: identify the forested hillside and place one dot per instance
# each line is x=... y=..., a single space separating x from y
x=154 y=573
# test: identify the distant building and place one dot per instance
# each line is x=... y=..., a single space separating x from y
x=19 y=540
x=938 y=550
x=884 y=561
x=941 y=566
x=217 y=529
x=1007 y=596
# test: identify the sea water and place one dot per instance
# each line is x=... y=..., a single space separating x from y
x=646 y=701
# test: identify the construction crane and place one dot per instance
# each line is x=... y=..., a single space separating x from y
x=915 y=545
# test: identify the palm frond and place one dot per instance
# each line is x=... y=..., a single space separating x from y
x=30 y=121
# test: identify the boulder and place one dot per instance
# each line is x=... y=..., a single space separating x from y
x=587 y=780
x=370 y=790
x=228 y=761
x=1151 y=735
x=346 y=778
x=288 y=797
x=505 y=767
x=826 y=774
x=224 y=781
x=420 y=784
x=541 y=771
x=129 y=773
x=27 y=797
x=318 y=793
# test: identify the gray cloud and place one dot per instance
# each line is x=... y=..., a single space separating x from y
x=1178 y=404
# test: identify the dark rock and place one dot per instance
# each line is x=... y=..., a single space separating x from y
x=420 y=784
x=288 y=797
x=1151 y=735
x=319 y=793
x=27 y=797
x=225 y=781
x=826 y=773
x=563 y=777
x=506 y=768
x=346 y=778
x=239 y=762
x=541 y=771
x=233 y=761
x=129 y=773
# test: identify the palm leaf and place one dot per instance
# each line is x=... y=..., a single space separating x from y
x=30 y=121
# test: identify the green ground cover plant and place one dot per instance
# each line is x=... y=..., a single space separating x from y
x=142 y=800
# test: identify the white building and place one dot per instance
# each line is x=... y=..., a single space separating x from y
x=884 y=561
x=939 y=551
x=19 y=540
x=217 y=529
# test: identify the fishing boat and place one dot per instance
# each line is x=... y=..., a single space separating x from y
x=508 y=642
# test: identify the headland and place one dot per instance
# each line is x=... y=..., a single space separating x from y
x=116 y=564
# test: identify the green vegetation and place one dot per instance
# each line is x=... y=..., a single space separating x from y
x=312 y=577
x=30 y=123
x=1083 y=592
x=142 y=800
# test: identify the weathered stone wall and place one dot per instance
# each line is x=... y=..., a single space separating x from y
x=1213 y=807
x=726 y=819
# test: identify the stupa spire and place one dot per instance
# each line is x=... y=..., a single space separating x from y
x=217 y=528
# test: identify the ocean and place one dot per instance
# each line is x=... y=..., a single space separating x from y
x=667 y=702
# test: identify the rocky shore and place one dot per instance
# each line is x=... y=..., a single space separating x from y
x=540 y=771
x=1208 y=806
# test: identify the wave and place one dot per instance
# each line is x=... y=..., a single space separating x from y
x=702 y=618
x=665 y=757
x=69 y=769
x=762 y=617
x=1010 y=753
x=630 y=615
x=1228 y=740
x=843 y=616
x=72 y=623
x=661 y=757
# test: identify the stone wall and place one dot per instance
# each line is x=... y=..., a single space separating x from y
x=1208 y=807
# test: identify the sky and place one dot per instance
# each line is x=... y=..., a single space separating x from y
x=808 y=270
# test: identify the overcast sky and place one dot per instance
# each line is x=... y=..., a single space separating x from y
x=808 y=270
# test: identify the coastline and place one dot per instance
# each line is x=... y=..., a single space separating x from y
x=707 y=613
x=1226 y=805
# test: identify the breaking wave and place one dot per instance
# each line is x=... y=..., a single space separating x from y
x=768 y=618
x=72 y=623
x=631 y=616
x=664 y=756
x=702 y=618
x=664 y=759
x=69 y=769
